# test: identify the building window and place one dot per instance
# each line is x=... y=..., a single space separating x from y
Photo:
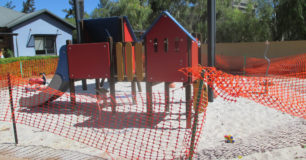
x=1 y=39
x=45 y=45
x=243 y=4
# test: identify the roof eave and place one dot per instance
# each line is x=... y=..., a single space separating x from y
x=14 y=23
x=174 y=20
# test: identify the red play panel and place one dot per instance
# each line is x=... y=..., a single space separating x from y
x=162 y=65
x=89 y=61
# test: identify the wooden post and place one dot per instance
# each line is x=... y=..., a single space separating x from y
x=72 y=92
x=139 y=64
x=102 y=82
x=129 y=61
x=84 y=84
x=113 y=94
x=112 y=78
x=12 y=107
x=149 y=101
x=133 y=83
x=139 y=87
x=97 y=87
x=188 y=104
x=71 y=83
x=188 y=86
x=167 y=96
x=119 y=59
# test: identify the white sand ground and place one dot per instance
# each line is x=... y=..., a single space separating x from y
x=259 y=132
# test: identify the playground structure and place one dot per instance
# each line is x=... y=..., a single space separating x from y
x=126 y=130
x=109 y=49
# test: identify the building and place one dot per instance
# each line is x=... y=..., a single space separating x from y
x=169 y=47
x=36 y=33
x=240 y=4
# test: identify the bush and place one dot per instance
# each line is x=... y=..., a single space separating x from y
x=14 y=59
x=8 y=53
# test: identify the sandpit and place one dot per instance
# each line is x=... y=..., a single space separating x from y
x=259 y=132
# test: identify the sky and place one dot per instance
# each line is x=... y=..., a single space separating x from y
x=54 y=6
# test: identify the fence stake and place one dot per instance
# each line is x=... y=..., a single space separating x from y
x=21 y=68
x=244 y=65
x=12 y=107
x=195 y=121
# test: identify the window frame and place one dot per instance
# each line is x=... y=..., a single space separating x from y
x=45 y=50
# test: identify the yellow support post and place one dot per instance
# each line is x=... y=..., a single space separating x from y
x=119 y=56
x=129 y=61
x=139 y=61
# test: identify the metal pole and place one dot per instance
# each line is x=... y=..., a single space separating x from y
x=196 y=115
x=211 y=8
x=78 y=12
x=78 y=17
x=17 y=50
x=12 y=107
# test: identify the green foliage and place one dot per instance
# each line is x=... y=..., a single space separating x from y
x=14 y=59
x=9 y=5
x=70 y=12
x=289 y=20
x=28 y=6
x=261 y=20
x=7 y=53
x=137 y=11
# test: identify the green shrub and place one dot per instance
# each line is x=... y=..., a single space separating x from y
x=14 y=59
x=8 y=53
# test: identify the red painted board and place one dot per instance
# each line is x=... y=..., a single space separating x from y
x=163 y=66
x=127 y=33
x=89 y=61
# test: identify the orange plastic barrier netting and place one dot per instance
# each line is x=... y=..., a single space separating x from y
x=131 y=132
x=30 y=68
x=286 y=93
x=258 y=66
x=128 y=133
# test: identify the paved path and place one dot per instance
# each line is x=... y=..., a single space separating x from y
x=12 y=152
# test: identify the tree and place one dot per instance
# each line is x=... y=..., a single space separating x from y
x=28 y=6
x=70 y=11
x=103 y=10
x=289 y=20
x=251 y=24
x=137 y=11
x=182 y=10
x=9 y=5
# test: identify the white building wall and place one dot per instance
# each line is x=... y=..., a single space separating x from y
x=42 y=24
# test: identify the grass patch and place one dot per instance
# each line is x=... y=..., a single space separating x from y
x=14 y=59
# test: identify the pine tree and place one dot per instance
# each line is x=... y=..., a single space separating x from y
x=70 y=11
x=28 y=6
x=9 y=5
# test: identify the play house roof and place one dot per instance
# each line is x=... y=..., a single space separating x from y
x=101 y=28
x=174 y=20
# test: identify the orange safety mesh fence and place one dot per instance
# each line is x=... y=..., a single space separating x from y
x=279 y=65
x=286 y=93
x=258 y=66
x=129 y=133
x=30 y=68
